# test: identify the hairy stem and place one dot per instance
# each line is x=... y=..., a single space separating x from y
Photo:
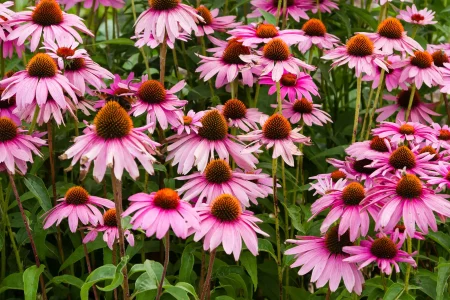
x=166 y=263
x=357 y=105
x=205 y=291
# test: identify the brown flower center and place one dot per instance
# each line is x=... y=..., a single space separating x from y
x=112 y=121
x=303 y=106
x=65 y=52
x=152 y=92
x=439 y=58
x=42 y=66
x=266 y=31
x=353 y=194
x=401 y=228
x=7 y=103
x=335 y=243
x=203 y=12
x=109 y=218
x=187 y=120
x=232 y=52
x=378 y=144
x=444 y=135
x=47 y=13
x=218 y=171
x=360 y=46
x=314 y=27
x=409 y=186
x=288 y=3
x=406 y=129
x=417 y=17
x=276 y=50
x=403 y=99
x=226 y=208
x=166 y=199
x=77 y=196
x=234 y=109
x=422 y=59
x=8 y=129
x=430 y=150
x=214 y=126
x=75 y=64
x=360 y=166
x=448 y=176
x=120 y=91
x=402 y=158
x=163 y=4
x=276 y=127
x=391 y=28
x=10 y=73
x=288 y=79
x=384 y=248
x=338 y=174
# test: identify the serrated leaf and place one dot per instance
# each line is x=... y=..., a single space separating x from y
x=106 y=272
x=442 y=277
x=266 y=246
x=393 y=292
x=187 y=263
x=31 y=281
x=36 y=186
x=295 y=213
x=248 y=261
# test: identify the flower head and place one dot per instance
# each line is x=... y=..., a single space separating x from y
x=119 y=89
x=157 y=212
x=327 y=183
x=112 y=141
x=325 y=6
x=77 y=205
x=303 y=109
x=391 y=77
x=211 y=22
x=315 y=33
x=401 y=132
x=276 y=132
x=109 y=229
x=295 y=86
x=294 y=8
x=238 y=115
x=441 y=177
x=385 y=251
x=366 y=149
x=224 y=222
x=325 y=257
x=191 y=122
x=46 y=20
x=417 y=17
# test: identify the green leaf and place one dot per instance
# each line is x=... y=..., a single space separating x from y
x=106 y=272
x=224 y=298
x=187 y=263
x=363 y=14
x=118 y=276
x=144 y=283
x=177 y=292
x=68 y=279
x=268 y=17
x=442 y=277
x=37 y=187
x=266 y=246
x=188 y=288
x=393 y=292
x=12 y=282
x=295 y=213
x=79 y=252
x=31 y=281
x=441 y=238
x=248 y=260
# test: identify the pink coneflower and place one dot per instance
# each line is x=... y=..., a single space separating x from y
x=212 y=23
x=391 y=77
x=224 y=222
x=420 y=112
x=109 y=229
x=78 y=67
x=406 y=197
x=276 y=132
x=441 y=177
x=16 y=147
x=227 y=63
x=217 y=179
x=238 y=115
x=315 y=33
x=88 y=3
x=384 y=251
x=164 y=19
x=417 y=17
x=117 y=90
x=86 y=106
x=9 y=47
x=303 y=109
x=359 y=54
x=392 y=36
x=162 y=106
x=276 y=58
x=262 y=33
x=295 y=86
x=294 y=8
x=419 y=69
x=113 y=142
x=152 y=42
x=5 y=13
x=49 y=110
x=325 y=185
x=400 y=231
x=442 y=136
x=363 y=150
x=48 y=20
x=346 y=206
x=155 y=213
x=191 y=122
x=7 y=107
x=324 y=256
x=188 y=150
x=77 y=205
x=355 y=169
x=445 y=70
x=401 y=132
x=39 y=81
x=325 y=6
x=401 y=158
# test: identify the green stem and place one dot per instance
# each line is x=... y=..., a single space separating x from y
x=277 y=15
x=162 y=60
x=375 y=104
x=369 y=102
x=383 y=282
x=285 y=199
x=205 y=291
x=411 y=98
x=415 y=28
x=277 y=225
x=202 y=42
x=279 y=97
x=175 y=62
x=255 y=101
x=408 y=266
x=357 y=105
x=318 y=9
x=33 y=121
x=284 y=15
x=144 y=56
x=166 y=264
